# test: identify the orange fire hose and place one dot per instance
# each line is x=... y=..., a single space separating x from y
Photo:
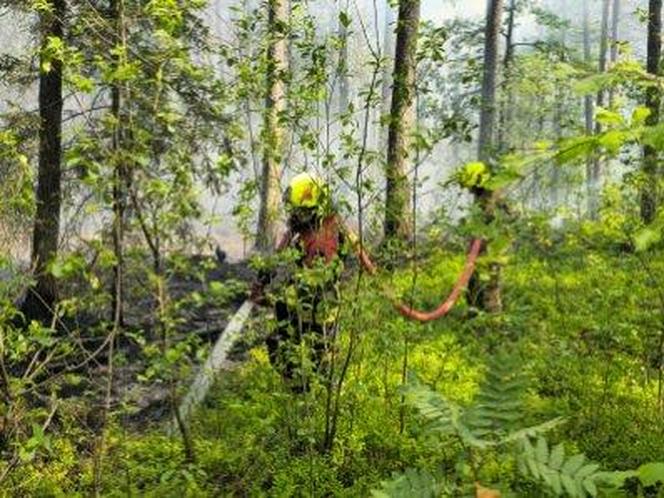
x=448 y=304
x=407 y=311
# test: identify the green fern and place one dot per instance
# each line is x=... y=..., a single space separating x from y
x=411 y=484
x=441 y=415
x=498 y=406
x=572 y=476
x=494 y=416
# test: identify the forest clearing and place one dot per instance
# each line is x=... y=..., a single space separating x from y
x=331 y=248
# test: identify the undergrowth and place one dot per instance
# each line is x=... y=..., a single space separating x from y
x=581 y=324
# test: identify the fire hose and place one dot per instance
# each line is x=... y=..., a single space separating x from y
x=449 y=302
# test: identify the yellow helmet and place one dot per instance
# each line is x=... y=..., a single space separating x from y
x=474 y=174
x=305 y=191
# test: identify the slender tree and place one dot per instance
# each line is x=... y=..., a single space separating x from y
x=489 y=79
x=120 y=171
x=119 y=187
x=559 y=111
x=402 y=120
x=603 y=45
x=343 y=69
x=615 y=34
x=386 y=77
x=41 y=298
x=276 y=62
x=488 y=296
x=594 y=179
x=615 y=30
x=649 y=191
x=588 y=102
x=508 y=101
x=485 y=292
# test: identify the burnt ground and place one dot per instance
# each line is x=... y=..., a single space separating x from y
x=201 y=317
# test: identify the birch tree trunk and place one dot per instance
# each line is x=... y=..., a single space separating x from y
x=270 y=188
x=42 y=297
x=402 y=119
x=649 y=190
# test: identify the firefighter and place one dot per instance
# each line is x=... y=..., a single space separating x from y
x=304 y=290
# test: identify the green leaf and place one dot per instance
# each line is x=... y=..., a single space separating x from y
x=587 y=471
x=534 y=469
x=654 y=136
x=557 y=457
x=555 y=483
x=590 y=487
x=608 y=118
x=344 y=19
x=569 y=484
x=612 y=140
x=614 y=479
x=592 y=84
x=542 y=451
x=411 y=484
x=651 y=473
x=646 y=238
x=640 y=115
x=534 y=431
x=575 y=148
x=572 y=465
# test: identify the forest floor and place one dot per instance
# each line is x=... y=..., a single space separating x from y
x=197 y=323
x=582 y=315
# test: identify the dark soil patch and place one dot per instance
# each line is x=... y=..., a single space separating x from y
x=202 y=319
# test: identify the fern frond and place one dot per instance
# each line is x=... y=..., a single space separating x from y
x=571 y=476
x=498 y=406
x=494 y=415
x=441 y=414
x=533 y=431
x=411 y=484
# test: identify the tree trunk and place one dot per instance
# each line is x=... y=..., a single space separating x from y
x=588 y=100
x=615 y=33
x=559 y=113
x=596 y=172
x=342 y=70
x=120 y=182
x=487 y=294
x=41 y=298
x=490 y=76
x=649 y=190
x=508 y=101
x=402 y=119
x=386 y=80
x=272 y=134
x=603 y=45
